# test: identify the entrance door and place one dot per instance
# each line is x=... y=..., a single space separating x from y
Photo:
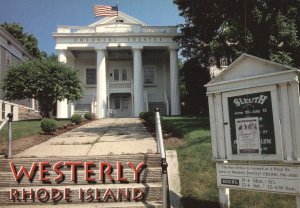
x=121 y=105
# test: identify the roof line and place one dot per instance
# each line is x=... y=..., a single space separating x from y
x=245 y=55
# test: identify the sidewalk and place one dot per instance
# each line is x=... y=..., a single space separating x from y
x=111 y=136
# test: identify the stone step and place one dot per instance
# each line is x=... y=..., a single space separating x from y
x=160 y=105
x=107 y=193
x=149 y=181
x=151 y=160
x=81 y=112
x=83 y=107
x=148 y=204
x=147 y=175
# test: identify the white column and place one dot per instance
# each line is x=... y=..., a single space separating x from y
x=138 y=82
x=221 y=144
x=72 y=109
x=71 y=105
x=296 y=112
x=175 y=104
x=15 y=112
x=213 y=126
x=33 y=104
x=7 y=110
x=286 y=123
x=101 y=84
x=62 y=106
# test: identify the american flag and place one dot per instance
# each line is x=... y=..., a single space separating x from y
x=102 y=10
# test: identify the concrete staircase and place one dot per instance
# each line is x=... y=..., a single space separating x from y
x=81 y=109
x=105 y=192
x=161 y=105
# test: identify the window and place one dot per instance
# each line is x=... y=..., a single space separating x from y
x=124 y=74
x=117 y=103
x=223 y=62
x=91 y=76
x=149 y=75
x=116 y=75
x=120 y=75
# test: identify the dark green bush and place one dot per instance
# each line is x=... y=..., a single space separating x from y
x=149 y=117
x=142 y=114
x=48 y=125
x=76 y=118
x=146 y=115
x=89 y=116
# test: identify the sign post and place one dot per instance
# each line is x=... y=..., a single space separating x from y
x=254 y=116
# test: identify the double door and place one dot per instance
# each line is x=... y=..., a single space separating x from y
x=121 y=104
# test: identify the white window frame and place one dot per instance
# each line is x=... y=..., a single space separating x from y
x=155 y=75
x=120 y=74
x=114 y=74
x=87 y=77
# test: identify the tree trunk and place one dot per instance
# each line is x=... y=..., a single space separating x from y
x=45 y=107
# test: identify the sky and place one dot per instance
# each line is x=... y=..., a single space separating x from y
x=41 y=17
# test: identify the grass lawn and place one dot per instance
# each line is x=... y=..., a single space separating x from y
x=25 y=128
x=198 y=173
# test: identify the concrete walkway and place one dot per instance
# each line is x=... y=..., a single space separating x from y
x=111 y=136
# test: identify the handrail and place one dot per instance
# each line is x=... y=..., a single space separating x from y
x=164 y=164
x=9 y=120
x=3 y=123
x=166 y=102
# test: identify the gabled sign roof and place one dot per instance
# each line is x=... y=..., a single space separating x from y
x=122 y=16
x=248 y=66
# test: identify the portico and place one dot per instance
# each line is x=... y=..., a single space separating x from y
x=127 y=67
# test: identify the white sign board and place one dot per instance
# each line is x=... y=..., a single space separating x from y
x=280 y=179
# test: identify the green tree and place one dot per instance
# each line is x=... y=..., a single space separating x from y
x=45 y=80
x=194 y=76
x=264 y=28
x=26 y=39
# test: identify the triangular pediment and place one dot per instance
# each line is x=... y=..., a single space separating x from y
x=121 y=18
x=248 y=66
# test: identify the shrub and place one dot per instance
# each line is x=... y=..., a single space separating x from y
x=149 y=117
x=76 y=118
x=142 y=114
x=89 y=116
x=146 y=115
x=48 y=125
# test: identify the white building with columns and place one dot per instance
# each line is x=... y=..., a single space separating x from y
x=126 y=66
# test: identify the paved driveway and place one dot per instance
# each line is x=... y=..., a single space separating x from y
x=111 y=136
